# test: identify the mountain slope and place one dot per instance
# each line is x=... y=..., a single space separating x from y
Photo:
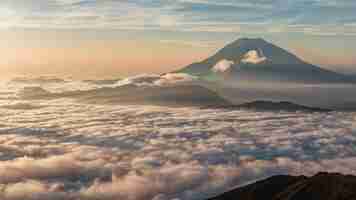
x=324 y=186
x=259 y=60
x=174 y=95
x=279 y=106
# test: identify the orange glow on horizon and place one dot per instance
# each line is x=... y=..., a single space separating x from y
x=119 y=58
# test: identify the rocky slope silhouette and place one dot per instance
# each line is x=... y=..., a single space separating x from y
x=323 y=186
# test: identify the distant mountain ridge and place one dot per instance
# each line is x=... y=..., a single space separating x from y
x=281 y=106
x=259 y=60
x=130 y=94
x=323 y=186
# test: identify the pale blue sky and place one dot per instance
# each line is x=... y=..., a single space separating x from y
x=316 y=17
x=315 y=29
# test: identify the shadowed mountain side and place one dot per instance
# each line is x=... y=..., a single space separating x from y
x=323 y=186
x=180 y=95
x=283 y=105
x=103 y=81
x=259 y=60
x=275 y=106
x=297 y=73
x=340 y=97
x=21 y=106
x=38 y=80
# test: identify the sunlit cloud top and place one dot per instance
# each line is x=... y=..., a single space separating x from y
x=314 y=17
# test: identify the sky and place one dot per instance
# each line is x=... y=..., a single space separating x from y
x=84 y=38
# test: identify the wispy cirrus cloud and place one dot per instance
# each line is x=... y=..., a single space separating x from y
x=202 y=44
x=330 y=16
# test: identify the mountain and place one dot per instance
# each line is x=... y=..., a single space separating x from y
x=37 y=80
x=102 y=81
x=261 y=105
x=325 y=186
x=173 y=95
x=279 y=106
x=258 y=60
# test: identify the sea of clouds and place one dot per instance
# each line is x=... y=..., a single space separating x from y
x=64 y=150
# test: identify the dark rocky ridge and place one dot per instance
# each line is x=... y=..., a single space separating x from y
x=323 y=186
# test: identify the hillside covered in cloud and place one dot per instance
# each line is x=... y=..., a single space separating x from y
x=166 y=90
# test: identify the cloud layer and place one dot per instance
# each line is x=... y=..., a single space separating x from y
x=65 y=150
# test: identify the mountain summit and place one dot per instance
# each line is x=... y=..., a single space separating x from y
x=257 y=59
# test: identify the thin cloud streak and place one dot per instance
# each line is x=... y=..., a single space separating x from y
x=182 y=15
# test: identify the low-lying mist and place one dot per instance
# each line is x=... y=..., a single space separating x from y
x=334 y=96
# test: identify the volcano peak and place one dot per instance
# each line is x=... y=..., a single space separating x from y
x=257 y=59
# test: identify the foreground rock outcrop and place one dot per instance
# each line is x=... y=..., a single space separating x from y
x=323 y=186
